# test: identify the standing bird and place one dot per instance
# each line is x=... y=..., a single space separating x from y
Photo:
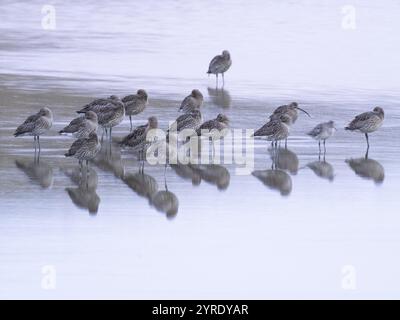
x=184 y=122
x=85 y=149
x=82 y=127
x=135 y=104
x=214 y=129
x=367 y=122
x=192 y=102
x=220 y=123
x=189 y=120
x=36 y=125
x=220 y=64
x=322 y=132
x=275 y=130
x=137 y=139
x=110 y=112
x=290 y=110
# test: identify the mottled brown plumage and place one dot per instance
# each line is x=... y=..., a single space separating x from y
x=83 y=126
x=192 y=102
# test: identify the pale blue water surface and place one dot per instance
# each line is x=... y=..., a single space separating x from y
x=233 y=236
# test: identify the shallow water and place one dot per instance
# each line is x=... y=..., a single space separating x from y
x=284 y=233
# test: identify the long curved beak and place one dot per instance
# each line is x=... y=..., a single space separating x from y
x=303 y=111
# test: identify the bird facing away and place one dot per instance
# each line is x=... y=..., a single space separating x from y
x=36 y=125
x=290 y=110
x=82 y=127
x=85 y=149
x=135 y=104
x=322 y=132
x=367 y=122
x=110 y=112
x=192 y=102
x=220 y=64
x=275 y=130
x=137 y=139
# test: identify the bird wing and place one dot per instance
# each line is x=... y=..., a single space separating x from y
x=74 y=125
x=28 y=124
x=316 y=131
x=132 y=138
x=97 y=105
x=281 y=109
x=130 y=99
x=75 y=147
x=215 y=63
x=107 y=112
x=267 y=129
x=185 y=123
x=359 y=120
x=187 y=102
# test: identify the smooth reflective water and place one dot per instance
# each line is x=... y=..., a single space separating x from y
x=299 y=228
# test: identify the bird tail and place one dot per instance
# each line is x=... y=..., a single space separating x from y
x=68 y=154
x=349 y=128
x=18 y=133
x=61 y=132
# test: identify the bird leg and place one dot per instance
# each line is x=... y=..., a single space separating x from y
x=217 y=79
x=366 y=137
x=319 y=146
x=34 y=143
x=324 y=147
x=80 y=168
x=38 y=141
x=130 y=119
x=223 y=80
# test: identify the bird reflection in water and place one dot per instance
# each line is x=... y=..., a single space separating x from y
x=220 y=97
x=284 y=159
x=367 y=168
x=109 y=160
x=38 y=171
x=84 y=196
x=213 y=173
x=277 y=178
x=322 y=169
x=166 y=201
x=185 y=171
x=141 y=183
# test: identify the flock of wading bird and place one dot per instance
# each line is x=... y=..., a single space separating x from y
x=109 y=112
